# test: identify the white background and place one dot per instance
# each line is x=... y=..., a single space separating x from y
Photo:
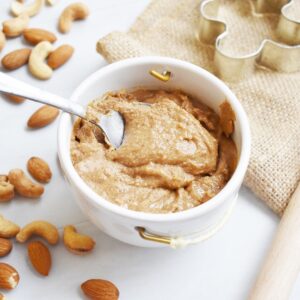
x=222 y=268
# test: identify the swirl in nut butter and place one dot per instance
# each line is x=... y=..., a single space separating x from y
x=177 y=153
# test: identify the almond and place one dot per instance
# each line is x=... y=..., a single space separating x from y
x=60 y=56
x=39 y=169
x=40 y=257
x=9 y=277
x=2 y=297
x=35 y=36
x=100 y=289
x=5 y=247
x=15 y=99
x=43 y=116
x=16 y=59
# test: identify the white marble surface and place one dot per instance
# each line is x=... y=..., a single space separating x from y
x=222 y=268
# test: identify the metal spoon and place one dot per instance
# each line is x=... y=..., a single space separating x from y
x=112 y=124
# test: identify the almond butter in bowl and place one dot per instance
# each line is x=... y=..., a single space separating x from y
x=175 y=155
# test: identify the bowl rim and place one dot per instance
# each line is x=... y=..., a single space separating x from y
x=227 y=191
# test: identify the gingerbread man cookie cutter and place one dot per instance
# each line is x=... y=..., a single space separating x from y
x=282 y=55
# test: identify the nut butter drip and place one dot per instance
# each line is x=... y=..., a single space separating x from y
x=174 y=155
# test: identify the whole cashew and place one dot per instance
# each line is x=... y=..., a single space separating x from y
x=2 y=40
x=8 y=229
x=23 y=185
x=75 y=11
x=75 y=242
x=14 y=27
x=40 y=228
x=37 y=64
x=6 y=191
x=17 y=8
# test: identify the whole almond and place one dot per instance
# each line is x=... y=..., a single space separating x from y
x=16 y=59
x=43 y=116
x=40 y=257
x=9 y=277
x=15 y=99
x=60 y=56
x=35 y=36
x=39 y=169
x=100 y=289
x=5 y=247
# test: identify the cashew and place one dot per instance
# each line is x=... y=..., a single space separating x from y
x=75 y=242
x=14 y=27
x=40 y=228
x=51 y=2
x=17 y=8
x=2 y=40
x=6 y=191
x=75 y=11
x=37 y=65
x=8 y=229
x=23 y=185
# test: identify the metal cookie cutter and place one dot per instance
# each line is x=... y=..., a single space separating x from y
x=273 y=55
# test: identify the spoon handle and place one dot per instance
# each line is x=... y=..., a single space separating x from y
x=10 y=85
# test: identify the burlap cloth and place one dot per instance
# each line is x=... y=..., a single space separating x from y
x=271 y=99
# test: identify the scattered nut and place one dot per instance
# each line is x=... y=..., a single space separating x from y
x=60 y=56
x=39 y=169
x=34 y=36
x=9 y=277
x=15 y=99
x=2 y=40
x=17 y=8
x=16 y=59
x=2 y=297
x=23 y=185
x=37 y=64
x=14 y=27
x=40 y=257
x=51 y=2
x=5 y=247
x=8 y=229
x=43 y=116
x=100 y=289
x=75 y=11
x=77 y=243
x=6 y=191
x=40 y=228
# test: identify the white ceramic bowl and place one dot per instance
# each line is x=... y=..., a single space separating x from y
x=119 y=222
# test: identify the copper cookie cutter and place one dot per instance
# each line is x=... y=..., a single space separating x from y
x=282 y=56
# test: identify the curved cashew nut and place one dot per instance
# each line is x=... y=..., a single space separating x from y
x=6 y=191
x=40 y=228
x=8 y=229
x=75 y=11
x=2 y=40
x=18 y=7
x=75 y=242
x=23 y=185
x=14 y=27
x=37 y=64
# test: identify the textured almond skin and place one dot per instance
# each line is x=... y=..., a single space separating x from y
x=15 y=99
x=39 y=169
x=43 y=116
x=23 y=185
x=36 y=35
x=9 y=277
x=99 y=289
x=8 y=229
x=40 y=257
x=60 y=56
x=16 y=59
x=5 y=247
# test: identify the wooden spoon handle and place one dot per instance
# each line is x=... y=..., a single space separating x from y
x=282 y=265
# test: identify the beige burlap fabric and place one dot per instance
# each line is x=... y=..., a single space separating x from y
x=271 y=99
